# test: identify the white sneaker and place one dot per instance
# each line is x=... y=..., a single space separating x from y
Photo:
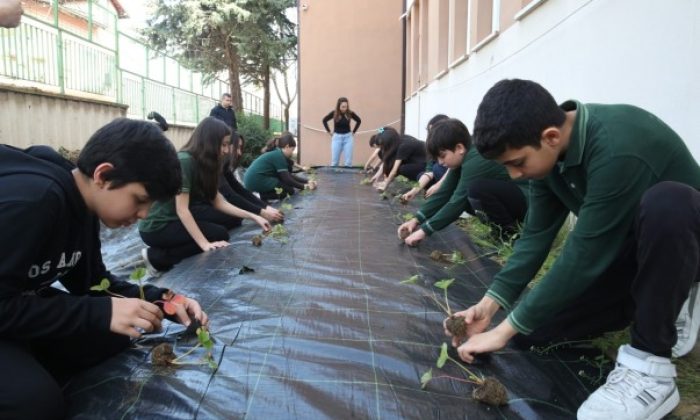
x=687 y=324
x=639 y=388
x=150 y=269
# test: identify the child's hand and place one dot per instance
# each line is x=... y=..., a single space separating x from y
x=272 y=214
x=264 y=224
x=415 y=238
x=477 y=319
x=132 y=313
x=209 y=246
x=486 y=342
x=432 y=190
x=410 y=195
x=380 y=186
x=407 y=228
x=190 y=310
x=312 y=185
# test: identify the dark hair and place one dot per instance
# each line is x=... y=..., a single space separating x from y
x=337 y=114
x=232 y=160
x=388 y=140
x=436 y=119
x=513 y=114
x=226 y=95
x=139 y=152
x=373 y=141
x=162 y=123
x=205 y=147
x=446 y=135
x=284 y=140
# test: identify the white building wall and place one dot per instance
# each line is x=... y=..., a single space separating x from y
x=641 y=52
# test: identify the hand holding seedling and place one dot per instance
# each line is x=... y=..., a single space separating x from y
x=264 y=224
x=415 y=238
x=486 y=342
x=128 y=314
x=407 y=228
x=272 y=214
x=187 y=310
x=477 y=318
x=312 y=185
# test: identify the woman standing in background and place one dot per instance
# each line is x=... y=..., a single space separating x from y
x=342 y=136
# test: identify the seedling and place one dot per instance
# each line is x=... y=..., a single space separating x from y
x=104 y=287
x=456 y=325
x=137 y=275
x=257 y=240
x=455 y=257
x=287 y=207
x=279 y=233
x=366 y=181
x=384 y=195
x=163 y=354
x=411 y=280
x=488 y=390
x=408 y=217
x=279 y=191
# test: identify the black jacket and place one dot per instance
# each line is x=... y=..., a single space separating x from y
x=47 y=234
x=226 y=115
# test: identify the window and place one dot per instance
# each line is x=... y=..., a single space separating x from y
x=438 y=32
x=484 y=22
x=458 y=29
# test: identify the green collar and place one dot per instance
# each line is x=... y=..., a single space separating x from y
x=577 y=140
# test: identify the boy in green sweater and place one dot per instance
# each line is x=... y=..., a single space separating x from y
x=633 y=256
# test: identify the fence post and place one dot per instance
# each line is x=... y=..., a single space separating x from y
x=59 y=48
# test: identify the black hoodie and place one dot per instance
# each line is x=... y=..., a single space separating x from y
x=47 y=234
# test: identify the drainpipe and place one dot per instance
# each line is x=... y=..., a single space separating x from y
x=403 y=68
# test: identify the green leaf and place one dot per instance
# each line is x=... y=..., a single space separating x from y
x=444 y=284
x=279 y=191
x=287 y=207
x=411 y=280
x=138 y=274
x=443 y=356
x=457 y=257
x=427 y=377
x=408 y=216
x=104 y=285
x=212 y=363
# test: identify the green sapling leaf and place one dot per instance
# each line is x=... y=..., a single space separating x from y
x=443 y=356
x=427 y=377
x=444 y=284
x=411 y=280
x=103 y=286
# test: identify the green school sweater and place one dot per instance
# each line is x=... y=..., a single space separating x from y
x=448 y=202
x=615 y=154
x=262 y=175
x=163 y=212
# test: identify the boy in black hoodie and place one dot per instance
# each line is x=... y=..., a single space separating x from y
x=49 y=230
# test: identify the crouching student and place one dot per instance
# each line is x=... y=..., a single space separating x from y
x=401 y=155
x=476 y=185
x=375 y=160
x=632 y=256
x=431 y=178
x=237 y=194
x=50 y=213
x=271 y=171
x=198 y=218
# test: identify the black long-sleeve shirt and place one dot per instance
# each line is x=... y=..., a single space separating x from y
x=342 y=126
x=46 y=234
x=238 y=195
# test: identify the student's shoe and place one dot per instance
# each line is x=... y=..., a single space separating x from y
x=150 y=269
x=687 y=324
x=641 y=387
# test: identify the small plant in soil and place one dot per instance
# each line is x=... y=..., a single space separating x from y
x=366 y=181
x=287 y=207
x=488 y=390
x=163 y=355
x=454 y=324
x=257 y=240
x=408 y=217
x=384 y=195
x=279 y=233
x=403 y=200
x=411 y=280
x=279 y=191
x=455 y=257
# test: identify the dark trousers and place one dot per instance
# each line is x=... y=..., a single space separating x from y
x=411 y=170
x=500 y=203
x=34 y=372
x=173 y=243
x=648 y=282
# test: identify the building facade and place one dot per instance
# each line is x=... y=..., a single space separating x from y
x=641 y=52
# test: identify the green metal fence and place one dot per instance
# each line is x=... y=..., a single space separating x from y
x=87 y=54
